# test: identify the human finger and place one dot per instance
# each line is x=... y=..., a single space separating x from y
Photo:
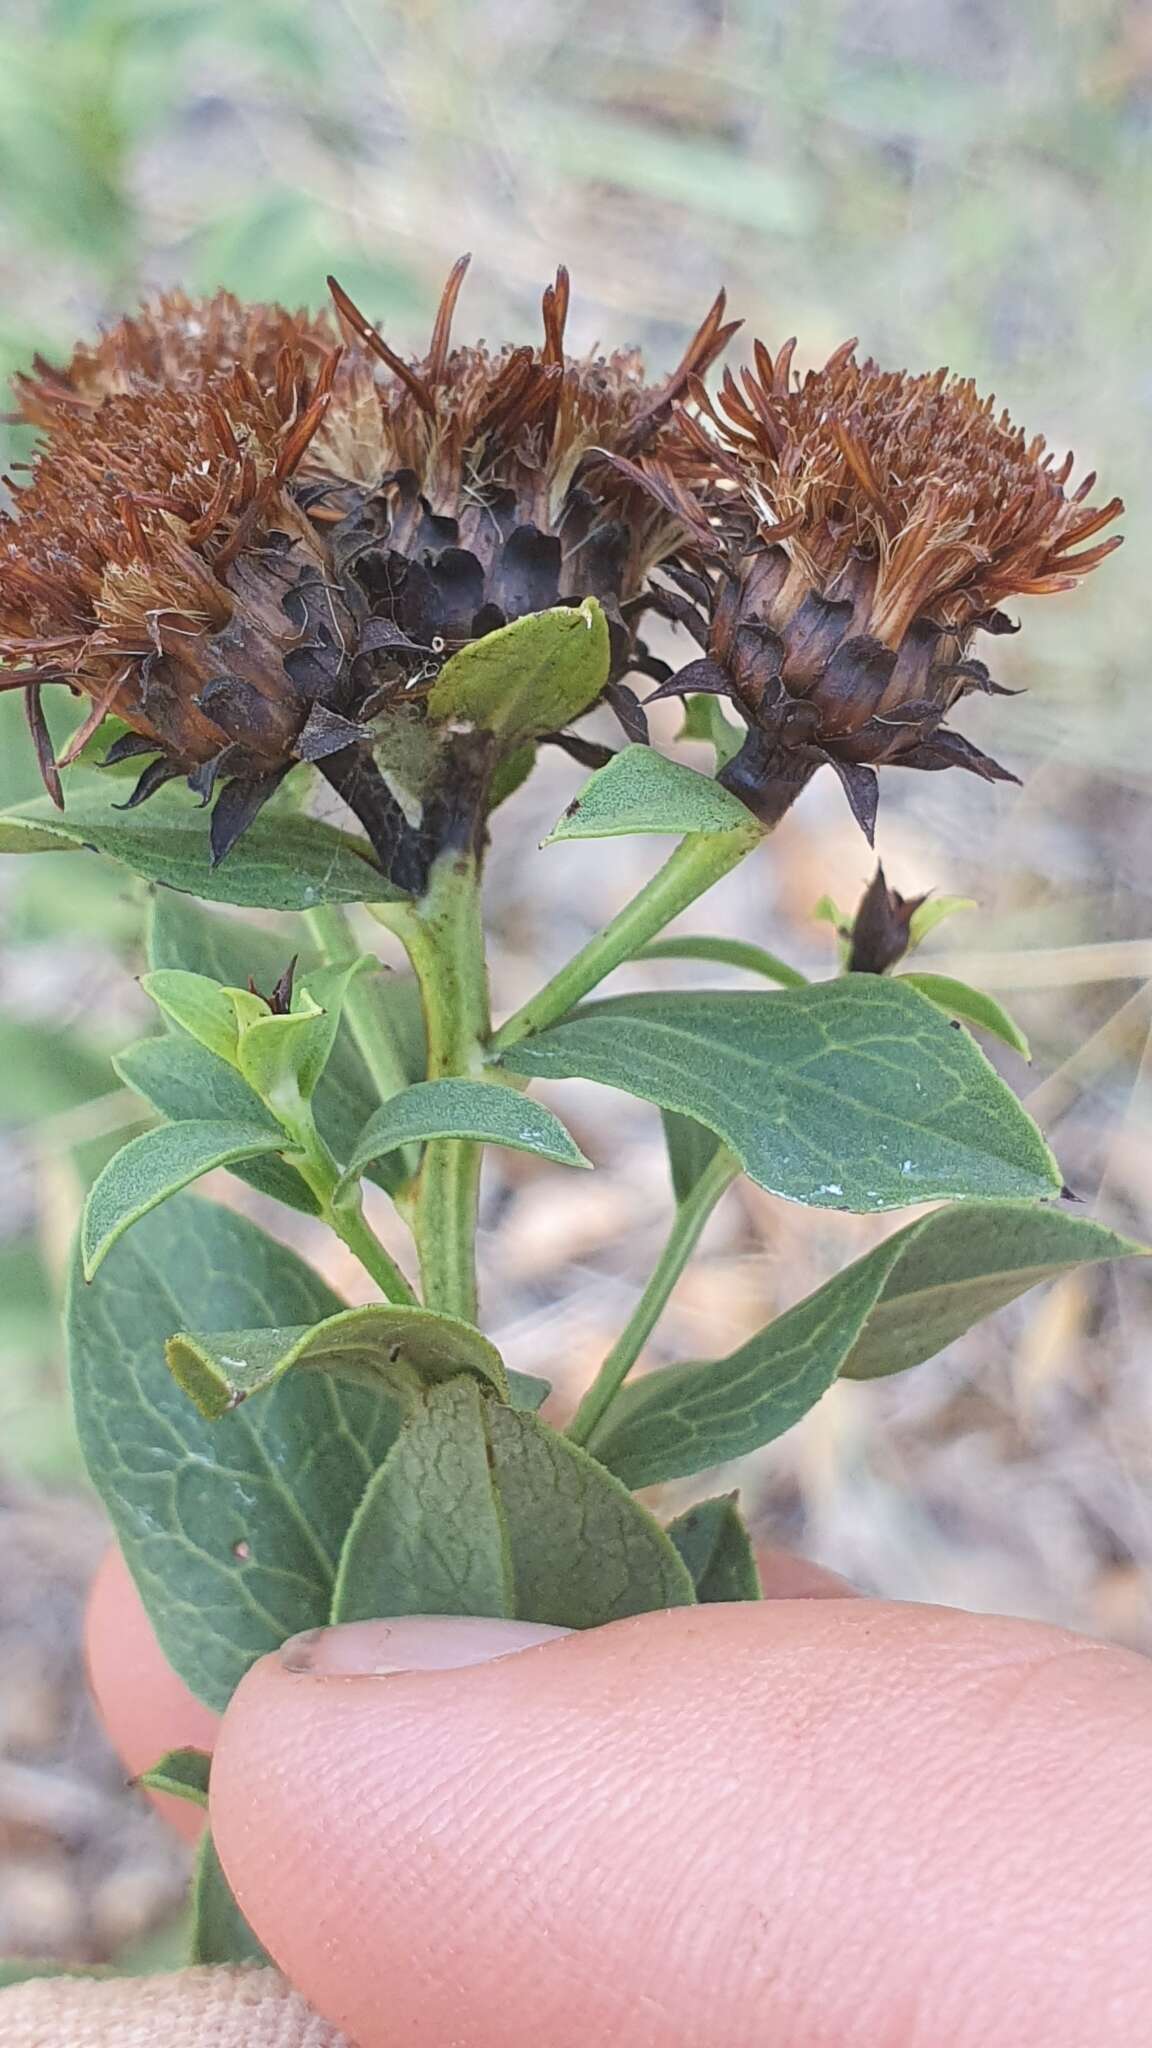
x=838 y=1823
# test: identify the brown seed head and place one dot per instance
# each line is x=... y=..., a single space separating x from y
x=919 y=475
x=157 y=561
x=858 y=525
x=174 y=340
x=474 y=491
x=247 y=548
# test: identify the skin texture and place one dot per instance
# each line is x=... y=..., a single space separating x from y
x=817 y=1822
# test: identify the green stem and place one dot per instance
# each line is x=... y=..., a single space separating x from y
x=365 y=1006
x=366 y=1012
x=687 y=1224
x=314 y=1162
x=444 y=937
x=699 y=861
x=350 y=1226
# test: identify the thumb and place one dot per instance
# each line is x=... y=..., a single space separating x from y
x=840 y=1823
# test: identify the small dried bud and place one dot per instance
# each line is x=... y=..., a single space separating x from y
x=851 y=532
x=280 y=1000
x=880 y=928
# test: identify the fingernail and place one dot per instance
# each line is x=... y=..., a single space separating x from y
x=418 y=1642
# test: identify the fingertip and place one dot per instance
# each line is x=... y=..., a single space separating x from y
x=144 y=1707
x=798 y=1819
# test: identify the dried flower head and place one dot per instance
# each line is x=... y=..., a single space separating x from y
x=248 y=544
x=856 y=527
x=174 y=340
x=472 y=488
x=158 y=562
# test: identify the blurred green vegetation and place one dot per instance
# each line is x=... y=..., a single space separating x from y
x=960 y=181
x=62 y=1107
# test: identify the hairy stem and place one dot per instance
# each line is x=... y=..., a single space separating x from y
x=687 y=1224
x=699 y=861
x=444 y=937
x=314 y=1162
x=353 y=1230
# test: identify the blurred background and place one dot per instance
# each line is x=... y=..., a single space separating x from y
x=954 y=181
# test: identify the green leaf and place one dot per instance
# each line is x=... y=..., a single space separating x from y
x=827 y=911
x=481 y=1110
x=283 y=862
x=184 y=1081
x=583 y=1552
x=640 y=790
x=727 y=953
x=704 y=720
x=691 y=1147
x=715 y=1546
x=526 y=1391
x=963 y=1264
x=850 y=1094
x=198 y=1005
x=283 y=1057
x=932 y=912
x=956 y=999
x=396 y=1350
x=231 y=1529
x=220 y=1933
x=153 y=1167
x=688 y=1417
x=512 y=770
x=429 y=1536
x=328 y=988
x=481 y=1510
x=233 y=950
x=528 y=678
x=181 y=1772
